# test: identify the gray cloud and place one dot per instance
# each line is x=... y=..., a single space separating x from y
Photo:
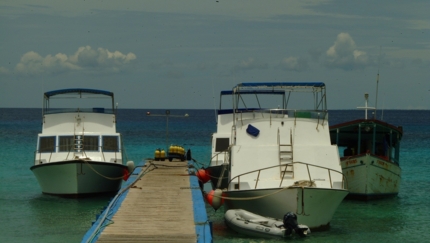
x=4 y=70
x=84 y=59
x=175 y=74
x=161 y=64
x=294 y=64
x=315 y=53
x=249 y=64
x=345 y=55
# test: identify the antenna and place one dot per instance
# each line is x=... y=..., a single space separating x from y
x=377 y=83
x=383 y=105
x=213 y=97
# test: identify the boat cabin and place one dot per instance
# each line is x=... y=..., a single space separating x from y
x=364 y=136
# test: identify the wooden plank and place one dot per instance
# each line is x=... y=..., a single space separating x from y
x=158 y=208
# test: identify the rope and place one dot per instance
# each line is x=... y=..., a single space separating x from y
x=257 y=197
x=107 y=177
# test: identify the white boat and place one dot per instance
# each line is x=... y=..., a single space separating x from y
x=369 y=150
x=79 y=152
x=251 y=224
x=271 y=159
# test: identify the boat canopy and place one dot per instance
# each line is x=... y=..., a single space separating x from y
x=283 y=84
x=76 y=90
x=285 y=89
x=77 y=93
x=230 y=92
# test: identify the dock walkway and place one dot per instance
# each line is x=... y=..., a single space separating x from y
x=160 y=203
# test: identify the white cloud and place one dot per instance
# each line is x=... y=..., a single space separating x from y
x=4 y=70
x=294 y=64
x=249 y=64
x=344 y=54
x=84 y=59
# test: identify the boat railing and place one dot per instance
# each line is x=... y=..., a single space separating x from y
x=221 y=156
x=388 y=158
x=236 y=179
x=83 y=110
x=244 y=114
x=71 y=151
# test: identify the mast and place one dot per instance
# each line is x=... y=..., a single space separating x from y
x=366 y=97
x=377 y=83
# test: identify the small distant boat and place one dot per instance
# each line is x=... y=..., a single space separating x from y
x=251 y=224
x=369 y=152
x=79 y=151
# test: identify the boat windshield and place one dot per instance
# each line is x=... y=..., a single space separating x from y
x=78 y=100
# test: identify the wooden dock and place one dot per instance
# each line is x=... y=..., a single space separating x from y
x=160 y=205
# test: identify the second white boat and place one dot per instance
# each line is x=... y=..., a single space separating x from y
x=271 y=159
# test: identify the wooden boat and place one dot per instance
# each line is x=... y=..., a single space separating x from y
x=251 y=224
x=369 y=151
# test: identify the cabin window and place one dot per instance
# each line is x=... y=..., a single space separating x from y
x=46 y=144
x=342 y=152
x=91 y=143
x=221 y=144
x=65 y=143
x=110 y=144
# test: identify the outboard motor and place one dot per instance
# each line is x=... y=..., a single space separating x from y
x=290 y=224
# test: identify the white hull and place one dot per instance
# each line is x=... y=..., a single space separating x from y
x=314 y=207
x=77 y=178
x=371 y=177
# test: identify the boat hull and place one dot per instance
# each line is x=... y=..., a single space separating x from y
x=79 y=178
x=314 y=207
x=371 y=177
x=215 y=173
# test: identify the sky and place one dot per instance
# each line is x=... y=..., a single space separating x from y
x=179 y=54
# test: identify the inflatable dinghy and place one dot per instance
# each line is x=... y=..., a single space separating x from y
x=251 y=224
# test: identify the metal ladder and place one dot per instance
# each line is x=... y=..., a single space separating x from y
x=78 y=138
x=286 y=158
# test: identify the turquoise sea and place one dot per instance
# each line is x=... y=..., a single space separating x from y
x=26 y=215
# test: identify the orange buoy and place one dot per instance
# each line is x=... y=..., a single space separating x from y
x=203 y=175
x=214 y=198
x=125 y=174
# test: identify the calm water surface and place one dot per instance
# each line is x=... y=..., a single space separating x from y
x=26 y=215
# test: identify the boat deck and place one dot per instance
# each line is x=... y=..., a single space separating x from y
x=163 y=204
